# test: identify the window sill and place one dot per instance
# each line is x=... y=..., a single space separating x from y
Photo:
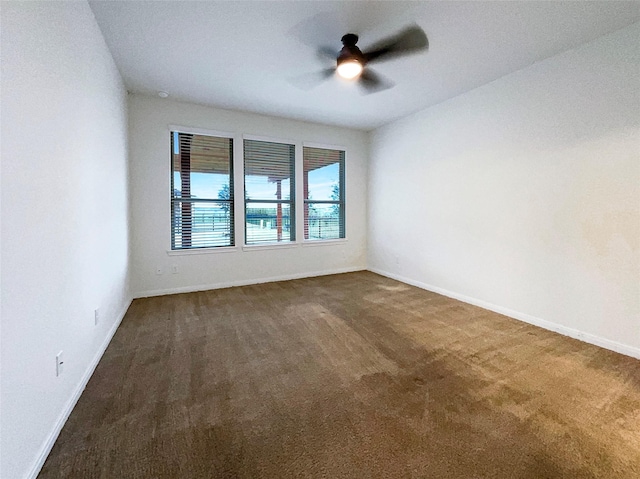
x=187 y=252
x=306 y=243
x=261 y=247
x=257 y=247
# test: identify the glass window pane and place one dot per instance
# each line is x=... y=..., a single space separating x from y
x=202 y=224
x=205 y=185
x=268 y=170
x=266 y=188
x=269 y=175
x=202 y=170
x=324 y=183
x=268 y=223
x=323 y=173
x=322 y=221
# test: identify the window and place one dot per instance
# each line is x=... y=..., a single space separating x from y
x=323 y=171
x=269 y=189
x=201 y=191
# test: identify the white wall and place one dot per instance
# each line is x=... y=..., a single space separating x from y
x=64 y=217
x=523 y=195
x=150 y=201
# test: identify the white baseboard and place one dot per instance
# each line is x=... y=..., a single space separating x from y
x=64 y=415
x=247 y=282
x=527 y=318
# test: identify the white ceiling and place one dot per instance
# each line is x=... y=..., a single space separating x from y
x=251 y=55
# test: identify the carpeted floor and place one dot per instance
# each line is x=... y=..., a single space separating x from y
x=347 y=376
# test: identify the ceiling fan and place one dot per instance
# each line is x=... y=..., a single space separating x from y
x=353 y=64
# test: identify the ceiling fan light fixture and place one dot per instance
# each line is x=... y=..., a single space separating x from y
x=349 y=69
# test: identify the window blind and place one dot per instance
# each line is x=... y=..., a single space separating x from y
x=324 y=198
x=201 y=191
x=269 y=186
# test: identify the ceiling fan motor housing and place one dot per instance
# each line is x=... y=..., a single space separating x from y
x=349 y=50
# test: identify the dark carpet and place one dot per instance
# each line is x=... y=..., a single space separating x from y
x=347 y=376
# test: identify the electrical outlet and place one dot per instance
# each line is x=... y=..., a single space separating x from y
x=59 y=363
x=174 y=269
x=96 y=316
x=158 y=270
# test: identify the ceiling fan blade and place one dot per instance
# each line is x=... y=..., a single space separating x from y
x=321 y=29
x=327 y=53
x=410 y=40
x=371 y=82
x=307 y=81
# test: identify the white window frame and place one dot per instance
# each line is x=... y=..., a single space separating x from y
x=273 y=245
x=322 y=242
x=212 y=249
